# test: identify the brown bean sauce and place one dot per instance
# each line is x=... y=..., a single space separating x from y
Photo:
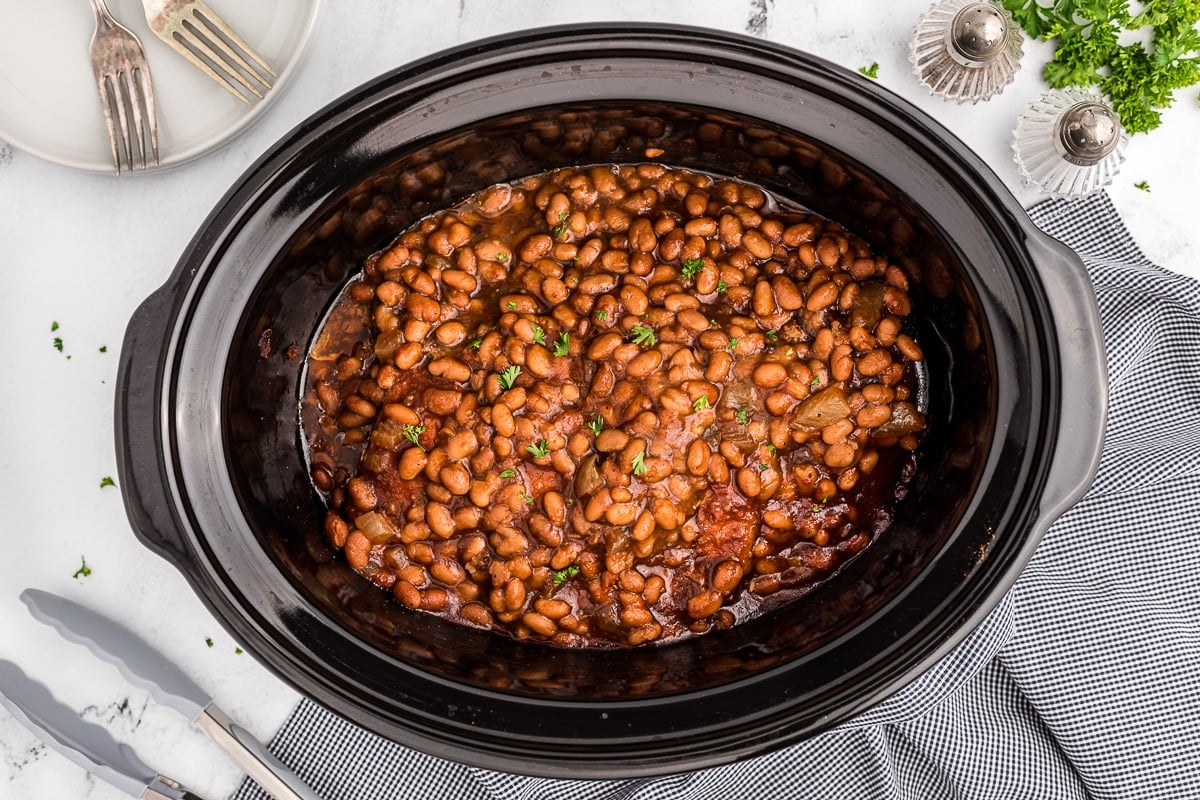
x=613 y=405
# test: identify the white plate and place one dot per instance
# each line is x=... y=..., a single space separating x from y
x=49 y=105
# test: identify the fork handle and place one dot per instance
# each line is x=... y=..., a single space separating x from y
x=103 y=17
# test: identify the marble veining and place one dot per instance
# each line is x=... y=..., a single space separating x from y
x=760 y=17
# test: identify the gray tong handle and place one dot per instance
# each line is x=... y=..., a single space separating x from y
x=138 y=662
x=265 y=769
x=84 y=743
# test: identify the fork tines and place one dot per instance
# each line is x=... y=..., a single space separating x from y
x=121 y=92
x=203 y=38
x=123 y=81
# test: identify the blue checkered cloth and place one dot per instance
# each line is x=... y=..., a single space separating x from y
x=1084 y=683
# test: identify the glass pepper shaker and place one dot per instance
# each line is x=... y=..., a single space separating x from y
x=1068 y=143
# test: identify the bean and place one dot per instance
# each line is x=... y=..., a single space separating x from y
x=822 y=297
x=643 y=364
x=726 y=576
x=840 y=455
x=701 y=226
x=597 y=284
x=456 y=478
x=407 y=594
x=539 y=623
x=451 y=369
x=827 y=252
x=909 y=348
x=749 y=482
x=458 y=279
x=357 y=549
x=462 y=445
x=447 y=571
x=896 y=301
x=757 y=245
x=412 y=463
x=872 y=416
x=874 y=363
x=837 y=432
x=502 y=420
x=451 y=333
x=643 y=528
x=769 y=374
x=551 y=608
x=887 y=331
x=434 y=599
x=611 y=440
x=718 y=367
x=439 y=519
x=535 y=247
x=621 y=514
x=704 y=604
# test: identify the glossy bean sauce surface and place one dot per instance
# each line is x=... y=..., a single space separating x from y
x=613 y=405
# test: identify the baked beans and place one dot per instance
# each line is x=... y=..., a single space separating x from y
x=613 y=405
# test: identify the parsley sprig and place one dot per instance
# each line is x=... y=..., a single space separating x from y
x=539 y=449
x=691 y=268
x=413 y=433
x=1139 y=81
x=643 y=334
x=639 y=463
x=562 y=346
x=508 y=376
x=561 y=576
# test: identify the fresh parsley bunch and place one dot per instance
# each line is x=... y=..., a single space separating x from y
x=1139 y=81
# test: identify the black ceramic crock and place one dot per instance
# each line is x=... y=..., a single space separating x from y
x=210 y=455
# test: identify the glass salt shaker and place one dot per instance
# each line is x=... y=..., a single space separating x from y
x=966 y=50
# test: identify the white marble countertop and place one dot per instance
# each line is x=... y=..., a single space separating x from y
x=74 y=248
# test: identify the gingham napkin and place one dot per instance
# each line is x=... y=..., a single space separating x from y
x=1083 y=683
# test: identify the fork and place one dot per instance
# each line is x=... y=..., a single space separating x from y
x=123 y=79
x=194 y=31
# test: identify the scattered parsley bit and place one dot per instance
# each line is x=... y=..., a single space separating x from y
x=1139 y=81
x=502 y=257
x=596 y=425
x=602 y=315
x=691 y=267
x=816 y=509
x=762 y=467
x=58 y=343
x=772 y=449
x=84 y=570
x=722 y=287
x=560 y=230
x=539 y=335
x=643 y=334
x=743 y=415
x=107 y=481
x=732 y=343
x=509 y=473
x=209 y=641
x=511 y=305
x=772 y=335
x=539 y=449
x=508 y=376
x=701 y=402
x=816 y=379
x=562 y=346
x=413 y=433
x=528 y=500
x=103 y=348
x=53 y=326
x=871 y=71
x=560 y=576
x=476 y=343
x=639 y=463
x=237 y=651
x=1143 y=185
